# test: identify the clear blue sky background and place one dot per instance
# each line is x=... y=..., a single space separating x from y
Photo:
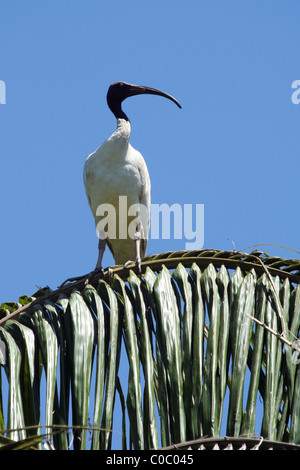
x=233 y=147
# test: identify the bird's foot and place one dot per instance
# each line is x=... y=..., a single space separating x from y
x=125 y=266
x=137 y=263
x=72 y=279
x=92 y=274
x=87 y=277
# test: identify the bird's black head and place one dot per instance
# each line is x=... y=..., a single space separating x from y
x=119 y=91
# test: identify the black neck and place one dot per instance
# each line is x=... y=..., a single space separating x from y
x=115 y=107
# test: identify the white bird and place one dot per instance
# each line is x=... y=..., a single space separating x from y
x=117 y=170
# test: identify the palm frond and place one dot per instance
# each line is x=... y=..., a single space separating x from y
x=204 y=334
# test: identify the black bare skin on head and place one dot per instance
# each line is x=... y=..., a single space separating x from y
x=119 y=91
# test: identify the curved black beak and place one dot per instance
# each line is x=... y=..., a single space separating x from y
x=145 y=90
x=119 y=91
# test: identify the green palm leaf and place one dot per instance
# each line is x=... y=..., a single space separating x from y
x=205 y=335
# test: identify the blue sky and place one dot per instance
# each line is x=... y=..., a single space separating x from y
x=234 y=145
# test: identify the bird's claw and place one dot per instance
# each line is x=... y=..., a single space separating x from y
x=87 y=277
x=125 y=266
x=71 y=279
x=92 y=274
x=137 y=264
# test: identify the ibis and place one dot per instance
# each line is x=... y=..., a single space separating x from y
x=117 y=172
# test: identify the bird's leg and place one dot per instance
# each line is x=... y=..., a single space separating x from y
x=137 y=238
x=101 y=249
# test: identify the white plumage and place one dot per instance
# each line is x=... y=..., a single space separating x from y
x=117 y=169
